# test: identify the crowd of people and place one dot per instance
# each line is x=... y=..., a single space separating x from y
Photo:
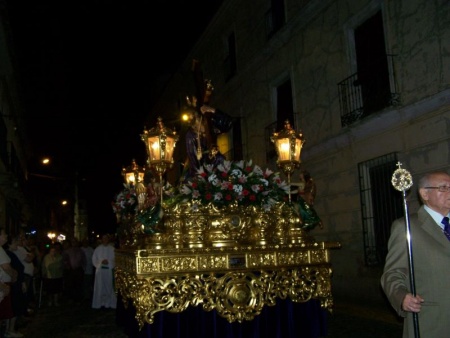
x=69 y=272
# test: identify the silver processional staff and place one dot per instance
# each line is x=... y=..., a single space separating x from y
x=402 y=181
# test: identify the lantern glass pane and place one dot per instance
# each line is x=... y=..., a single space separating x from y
x=170 y=145
x=154 y=151
x=129 y=177
x=283 y=149
x=298 y=150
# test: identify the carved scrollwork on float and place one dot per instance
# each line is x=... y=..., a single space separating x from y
x=236 y=296
x=240 y=296
x=235 y=282
x=233 y=260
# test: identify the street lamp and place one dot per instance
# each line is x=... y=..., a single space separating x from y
x=47 y=187
x=160 y=143
x=288 y=145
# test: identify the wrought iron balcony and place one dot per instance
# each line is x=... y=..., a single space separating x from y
x=369 y=91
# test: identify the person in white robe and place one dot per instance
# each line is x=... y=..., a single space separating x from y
x=103 y=260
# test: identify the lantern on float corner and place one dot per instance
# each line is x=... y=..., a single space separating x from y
x=288 y=145
x=133 y=174
x=160 y=143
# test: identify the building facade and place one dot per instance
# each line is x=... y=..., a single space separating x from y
x=368 y=84
x=14 y=209
x=30 y=196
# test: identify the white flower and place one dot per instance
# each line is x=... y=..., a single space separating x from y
x=257 y=170
x=284 y=186
x=209 y=167
x=264 y=181
x=185 y=190
x=237 y=188
x=200 y=171
x=218 y=196
x=240 y=164
x=268 y=172
x=236 y=172
x=214 y=180
x=225 y=166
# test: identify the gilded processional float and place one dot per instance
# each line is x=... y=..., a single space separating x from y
x=228 y=238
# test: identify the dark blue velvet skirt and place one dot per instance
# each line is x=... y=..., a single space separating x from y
x=284 y=320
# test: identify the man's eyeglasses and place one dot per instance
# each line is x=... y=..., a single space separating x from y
x=442 y=188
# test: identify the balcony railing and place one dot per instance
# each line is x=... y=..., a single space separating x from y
x=363 y=94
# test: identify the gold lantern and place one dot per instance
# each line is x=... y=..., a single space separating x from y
x=160 y=144
x=288 y=145
x=133 y=174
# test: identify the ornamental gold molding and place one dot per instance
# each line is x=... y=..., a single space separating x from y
x=236 y=282
x=235 y=295
x=234 y=260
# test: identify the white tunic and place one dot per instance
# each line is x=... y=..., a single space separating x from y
x=104 y=292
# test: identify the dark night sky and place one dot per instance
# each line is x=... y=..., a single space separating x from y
x=86 y=71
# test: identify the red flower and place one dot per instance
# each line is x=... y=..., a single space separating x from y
x=203 y=174
x=228 y=197
x=194 y=185
x=224 y=175
x=245 y=192
x=248 y=169
x=208 y=196
x=252 y=198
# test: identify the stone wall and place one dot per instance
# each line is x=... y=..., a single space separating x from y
x=314 y=50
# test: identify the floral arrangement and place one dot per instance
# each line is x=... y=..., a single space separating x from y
x=227 y=183
x=238 y=181
x=126 y=201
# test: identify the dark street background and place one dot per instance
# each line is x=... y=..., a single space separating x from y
x=87 y=73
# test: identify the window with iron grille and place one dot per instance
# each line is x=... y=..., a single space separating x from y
x=373 y=86
x=381 y=204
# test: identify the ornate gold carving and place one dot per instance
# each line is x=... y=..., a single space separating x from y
x=194 y=225
x=235 y=295
x=234 y=260
x=261 y=259
x=236 y=282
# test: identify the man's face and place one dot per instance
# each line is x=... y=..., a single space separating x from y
x=437 y=200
